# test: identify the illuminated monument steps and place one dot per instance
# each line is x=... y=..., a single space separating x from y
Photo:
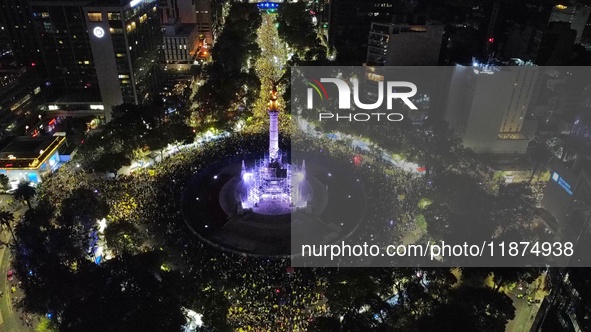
x=272 y=186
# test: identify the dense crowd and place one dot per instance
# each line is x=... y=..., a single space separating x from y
x=263 y=294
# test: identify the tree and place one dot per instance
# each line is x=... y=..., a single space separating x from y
x=132 y=291
x=82 y=209
x=25 y=192
x=296 y=29
x=325 y=324
x=4 y=181
x=514 y=208
x=6 y=219
x=470 y=309
x=46 y=325
x=123 y=237
x=179 y=133
x=111 y=162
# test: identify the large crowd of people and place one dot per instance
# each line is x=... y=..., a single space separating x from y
x=263 y=294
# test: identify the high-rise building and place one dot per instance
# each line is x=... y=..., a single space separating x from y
x=20 y=100
x=68 y=65
x=488 y=106
x=404 y=44
x=568 y=305
x=199 y=12
x=184 y=10
x=168 y=10
x=16 y=31
x=125 y=40
x=552 y=45
x=576 y=14
x=350 y=22
x=205 y=20
x=179 y=45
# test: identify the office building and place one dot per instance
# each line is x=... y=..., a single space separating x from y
x=350 y=22
x=568 y=306
x=204 y=19
x=167 y=10
x=552 y=45
x=180 y=45
x=125 y=40
x=68 y=66
x=184 y=10
x=20 y=100
x=404 y=45
x=576 y=15
x=199 y=12
x=16 y=31
x=488 y=106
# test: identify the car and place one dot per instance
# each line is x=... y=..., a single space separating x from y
x=10 y=275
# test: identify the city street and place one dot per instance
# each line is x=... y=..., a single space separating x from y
x=526 y=311
x=9 y=319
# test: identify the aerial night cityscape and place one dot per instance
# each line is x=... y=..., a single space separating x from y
x=295 y=165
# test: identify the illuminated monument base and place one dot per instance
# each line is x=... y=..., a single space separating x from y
x=273 y=188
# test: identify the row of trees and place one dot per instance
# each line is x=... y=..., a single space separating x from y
x=296 y=29
x=134 y=131
x=419 y=300
x=231 y=84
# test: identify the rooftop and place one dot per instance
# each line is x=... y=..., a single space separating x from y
x=29 y=152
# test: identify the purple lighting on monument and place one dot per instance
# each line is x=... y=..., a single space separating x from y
x=272 y=186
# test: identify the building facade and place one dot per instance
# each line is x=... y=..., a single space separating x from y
x=180 y=45
x=576 y=15
x=16 y=31
x=31 y=158
x=68 y=65
x=350 y=22
x=488 y=105
x=552 y=45
x=125 y=41
x=20 y=101
x=404 y=45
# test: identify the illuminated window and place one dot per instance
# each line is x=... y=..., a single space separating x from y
x=86 y=62
x=123 y=76
x=131 y=26
x=120 y=55
x=95 y=16
x=143 y=18
x=45 y=15
x=114 y=16
x=375 y=77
